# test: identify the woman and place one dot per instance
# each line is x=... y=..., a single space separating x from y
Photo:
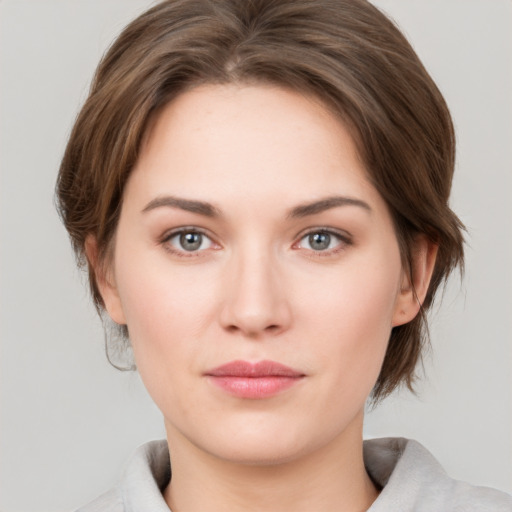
x=260 y=191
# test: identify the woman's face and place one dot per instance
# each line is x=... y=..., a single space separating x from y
x=250 y=233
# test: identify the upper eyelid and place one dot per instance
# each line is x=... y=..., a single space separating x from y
x=345 y=239
x=186 y=229
x=165 y=239
x=341 y=233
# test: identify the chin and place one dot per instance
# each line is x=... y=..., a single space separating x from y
x=265 y=440
x=255 y=451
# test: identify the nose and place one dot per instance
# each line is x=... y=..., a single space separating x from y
x=255 y=302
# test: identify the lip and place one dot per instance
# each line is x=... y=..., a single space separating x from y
x=254 y=380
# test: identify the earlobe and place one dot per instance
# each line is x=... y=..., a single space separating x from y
x=104 y=276
x=414 y=287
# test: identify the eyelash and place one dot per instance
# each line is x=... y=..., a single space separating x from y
x=344 y=240
x=183 y=231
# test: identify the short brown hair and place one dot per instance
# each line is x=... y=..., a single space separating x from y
x=345 y=52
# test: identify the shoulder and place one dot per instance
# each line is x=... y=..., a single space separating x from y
x=413 y=480
x=140 y=488
x=469 y=498
x=111 y=501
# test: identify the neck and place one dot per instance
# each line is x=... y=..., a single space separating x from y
x=332 y=478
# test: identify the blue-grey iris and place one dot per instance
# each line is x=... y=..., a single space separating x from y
x=319 y=241
x=191 y=241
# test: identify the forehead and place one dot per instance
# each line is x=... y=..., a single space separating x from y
x=220 y=141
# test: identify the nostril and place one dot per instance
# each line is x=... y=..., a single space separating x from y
x=254 y=332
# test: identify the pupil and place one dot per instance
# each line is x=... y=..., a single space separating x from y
x=320 y=241
x=191 y=241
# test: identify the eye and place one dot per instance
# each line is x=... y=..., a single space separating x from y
x=323 y=241
x=189 y=240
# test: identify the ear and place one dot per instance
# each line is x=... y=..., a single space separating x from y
x=414 y=287
x=105 y=281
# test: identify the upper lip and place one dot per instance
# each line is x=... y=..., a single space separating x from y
x=260 y=369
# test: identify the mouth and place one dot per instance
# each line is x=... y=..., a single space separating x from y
x=254 y=380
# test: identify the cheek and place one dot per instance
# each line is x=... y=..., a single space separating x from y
x=357 y=297
x=165 y=310
x=351 y=322
x=167 y=317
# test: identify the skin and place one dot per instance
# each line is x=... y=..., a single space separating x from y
x=257 y=289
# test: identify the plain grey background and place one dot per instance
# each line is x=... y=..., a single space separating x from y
x=69 y=420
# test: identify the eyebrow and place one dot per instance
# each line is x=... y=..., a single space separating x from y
x=189 y=205
x=208 y=210
x=327 y=203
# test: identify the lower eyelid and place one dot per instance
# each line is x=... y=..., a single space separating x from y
x=165 y=241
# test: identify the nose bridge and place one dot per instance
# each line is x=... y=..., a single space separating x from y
x=255 y=300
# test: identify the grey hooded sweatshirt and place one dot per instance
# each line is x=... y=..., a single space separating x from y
x=410 y=478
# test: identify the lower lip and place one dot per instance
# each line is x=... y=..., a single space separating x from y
x=254 y=387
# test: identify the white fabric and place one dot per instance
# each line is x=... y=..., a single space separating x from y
x=412 y=481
